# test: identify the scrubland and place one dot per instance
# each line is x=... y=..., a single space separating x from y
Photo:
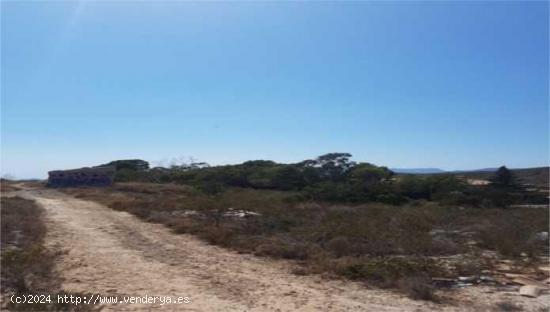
x=27 y=265
x=401 y=247
x=343 y=220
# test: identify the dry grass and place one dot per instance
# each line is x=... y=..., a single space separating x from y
x=27 y=266
x=507 y=306
x=515 y=233
x=417 y=287
x=390 y=246
x=7 y=186
x=23 y=257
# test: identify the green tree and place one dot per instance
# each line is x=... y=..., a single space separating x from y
x=366 y=175
x=331 y=166
x=413 y=186
x=132 y=164
x=504 y=189
x=504 y=178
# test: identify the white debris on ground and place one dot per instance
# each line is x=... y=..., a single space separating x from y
x=230 y=213
x=504 y=279
x=530 y=206
x=477 y=182
x=185 y=213
x=542 y=236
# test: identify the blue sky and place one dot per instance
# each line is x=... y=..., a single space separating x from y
x=454 y=85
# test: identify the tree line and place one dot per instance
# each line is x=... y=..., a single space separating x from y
x=329 y=177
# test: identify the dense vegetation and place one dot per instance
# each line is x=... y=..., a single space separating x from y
x=334 y=177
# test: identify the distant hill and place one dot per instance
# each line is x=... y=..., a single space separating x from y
x=417 y=170
x=476 y=170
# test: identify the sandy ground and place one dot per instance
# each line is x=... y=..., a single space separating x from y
x=113 y=253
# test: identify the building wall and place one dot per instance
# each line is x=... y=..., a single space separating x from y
x=81 y=177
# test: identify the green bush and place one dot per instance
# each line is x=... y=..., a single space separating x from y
x=385 y=271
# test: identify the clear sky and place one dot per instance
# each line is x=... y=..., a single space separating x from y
x=454 y=85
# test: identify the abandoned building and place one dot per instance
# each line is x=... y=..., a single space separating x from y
x=94 y=176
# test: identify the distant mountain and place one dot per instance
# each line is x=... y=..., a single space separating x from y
x=417 y=170
x=476 y=170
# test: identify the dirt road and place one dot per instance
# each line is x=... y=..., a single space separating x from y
x=113 y=253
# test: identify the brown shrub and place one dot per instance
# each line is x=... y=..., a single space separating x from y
x=446 y=247
x=339 y=246
x=470 y=267
x=417 y=287
x=23 y=258
x=511 y=235
x=7 y=186
x=374 y=242
x=27 y=266
x=386 y=272
x=154 y=188
x=20 y=223
x=280 y=248
x=507 y=306
x=180 y=225
x=217 y=235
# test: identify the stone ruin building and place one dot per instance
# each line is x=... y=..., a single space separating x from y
x=94 y=176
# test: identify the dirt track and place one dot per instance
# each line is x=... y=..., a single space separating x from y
x=114 y=253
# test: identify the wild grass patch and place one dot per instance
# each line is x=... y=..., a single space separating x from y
x=386 y=245
x=27 y=266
